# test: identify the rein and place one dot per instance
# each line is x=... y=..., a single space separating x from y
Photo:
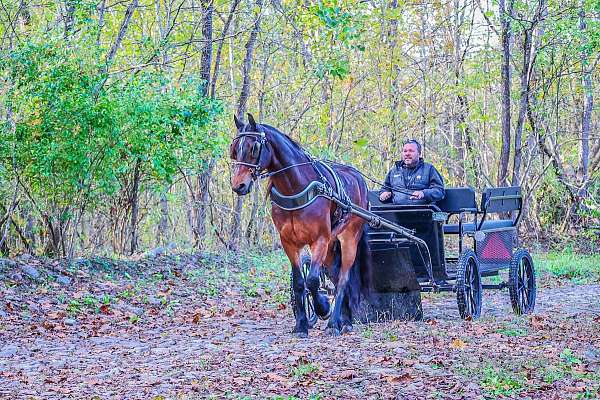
x=381 y=184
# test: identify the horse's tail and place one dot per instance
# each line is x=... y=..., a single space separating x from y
x=360 y=280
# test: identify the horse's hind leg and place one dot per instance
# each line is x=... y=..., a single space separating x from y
x=293 y=253
x=346 y=313
x=318 y=252
x=336 y=322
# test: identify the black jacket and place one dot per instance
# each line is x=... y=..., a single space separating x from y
x=403 y=181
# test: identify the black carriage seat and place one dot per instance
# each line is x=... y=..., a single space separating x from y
x=457 y=201
x=493 y=201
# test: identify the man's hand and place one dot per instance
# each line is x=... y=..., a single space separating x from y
x=417 y=195
x=384 y=196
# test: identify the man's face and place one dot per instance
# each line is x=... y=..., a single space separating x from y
x=410 y=154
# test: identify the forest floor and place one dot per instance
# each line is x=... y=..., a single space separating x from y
x=191 y=327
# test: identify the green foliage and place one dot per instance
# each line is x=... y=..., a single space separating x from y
x=304 y=369
x=568 y=357
x=78 y=134
x=335 y=36
x=167 y=127
x=568 y=265
x=501 y=382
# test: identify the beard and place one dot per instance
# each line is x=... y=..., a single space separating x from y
x=411 y=163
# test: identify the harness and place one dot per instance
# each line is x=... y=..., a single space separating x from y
x=315 y=189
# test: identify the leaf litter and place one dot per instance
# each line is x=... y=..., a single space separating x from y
x=160 y=332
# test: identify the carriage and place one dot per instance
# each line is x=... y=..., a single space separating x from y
x=324 y=205
x=447 y=247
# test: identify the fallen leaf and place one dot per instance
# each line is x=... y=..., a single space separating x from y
x=395 y=379
x=276 y=378
x=537 y=321
x=48 y=325
x=348 y=374
x=458 y=344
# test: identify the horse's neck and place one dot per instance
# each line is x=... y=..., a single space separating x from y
x=294 y=179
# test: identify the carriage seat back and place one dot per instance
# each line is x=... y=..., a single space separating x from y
x=457 y=200
x=501 y=199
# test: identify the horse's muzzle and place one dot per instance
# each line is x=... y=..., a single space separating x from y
x=243 y=189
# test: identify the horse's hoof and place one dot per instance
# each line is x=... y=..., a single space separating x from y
x=347 y=329
x=301 y=335
x=333 y=331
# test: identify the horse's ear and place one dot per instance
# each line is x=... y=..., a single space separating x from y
x=239 y=124
x=252 y=123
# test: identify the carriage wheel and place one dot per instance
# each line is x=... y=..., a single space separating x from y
x=309 y=303
x=468 y=285
x=521 y=282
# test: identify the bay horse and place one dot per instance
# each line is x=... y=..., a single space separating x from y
x=305 y=216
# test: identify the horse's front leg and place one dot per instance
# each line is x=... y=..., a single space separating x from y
x=298 y=287
x=318 y=252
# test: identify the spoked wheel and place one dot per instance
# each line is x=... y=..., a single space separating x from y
x=521 y=283
x=468 y=285
x=309 y=302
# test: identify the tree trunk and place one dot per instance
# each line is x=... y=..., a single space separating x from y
x=460 y=130
x=523 y=102
x=588 y=104
x=134 y=201
x=69 y=17
x=247 y=65
x=213 y=82
x=206 y=55
x=162 y=233
x=200 y=201
x=202 y=205
x=122 y=31
x=101 y=11
x=236 y=222
x=505 y=72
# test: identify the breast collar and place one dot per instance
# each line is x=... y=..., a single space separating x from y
x=314 y=190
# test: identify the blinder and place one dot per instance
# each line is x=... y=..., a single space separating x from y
x=255 y=152
x=256 y=147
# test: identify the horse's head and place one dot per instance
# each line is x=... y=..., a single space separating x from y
x=250 y=155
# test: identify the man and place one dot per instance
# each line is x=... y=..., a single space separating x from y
x=412 y=181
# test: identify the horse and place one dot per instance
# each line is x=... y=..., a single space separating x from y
x=304 y=212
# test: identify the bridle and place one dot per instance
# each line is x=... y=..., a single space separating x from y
x=260 y=142
x=256 y=153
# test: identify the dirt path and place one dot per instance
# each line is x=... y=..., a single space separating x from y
x=238 y=347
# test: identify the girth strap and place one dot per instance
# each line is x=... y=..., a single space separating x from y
x=339 y=190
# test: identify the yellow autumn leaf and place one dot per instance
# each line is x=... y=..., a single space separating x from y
x=458 y=344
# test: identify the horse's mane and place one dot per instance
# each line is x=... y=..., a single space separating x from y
x=297 y=146
x=277 y=131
